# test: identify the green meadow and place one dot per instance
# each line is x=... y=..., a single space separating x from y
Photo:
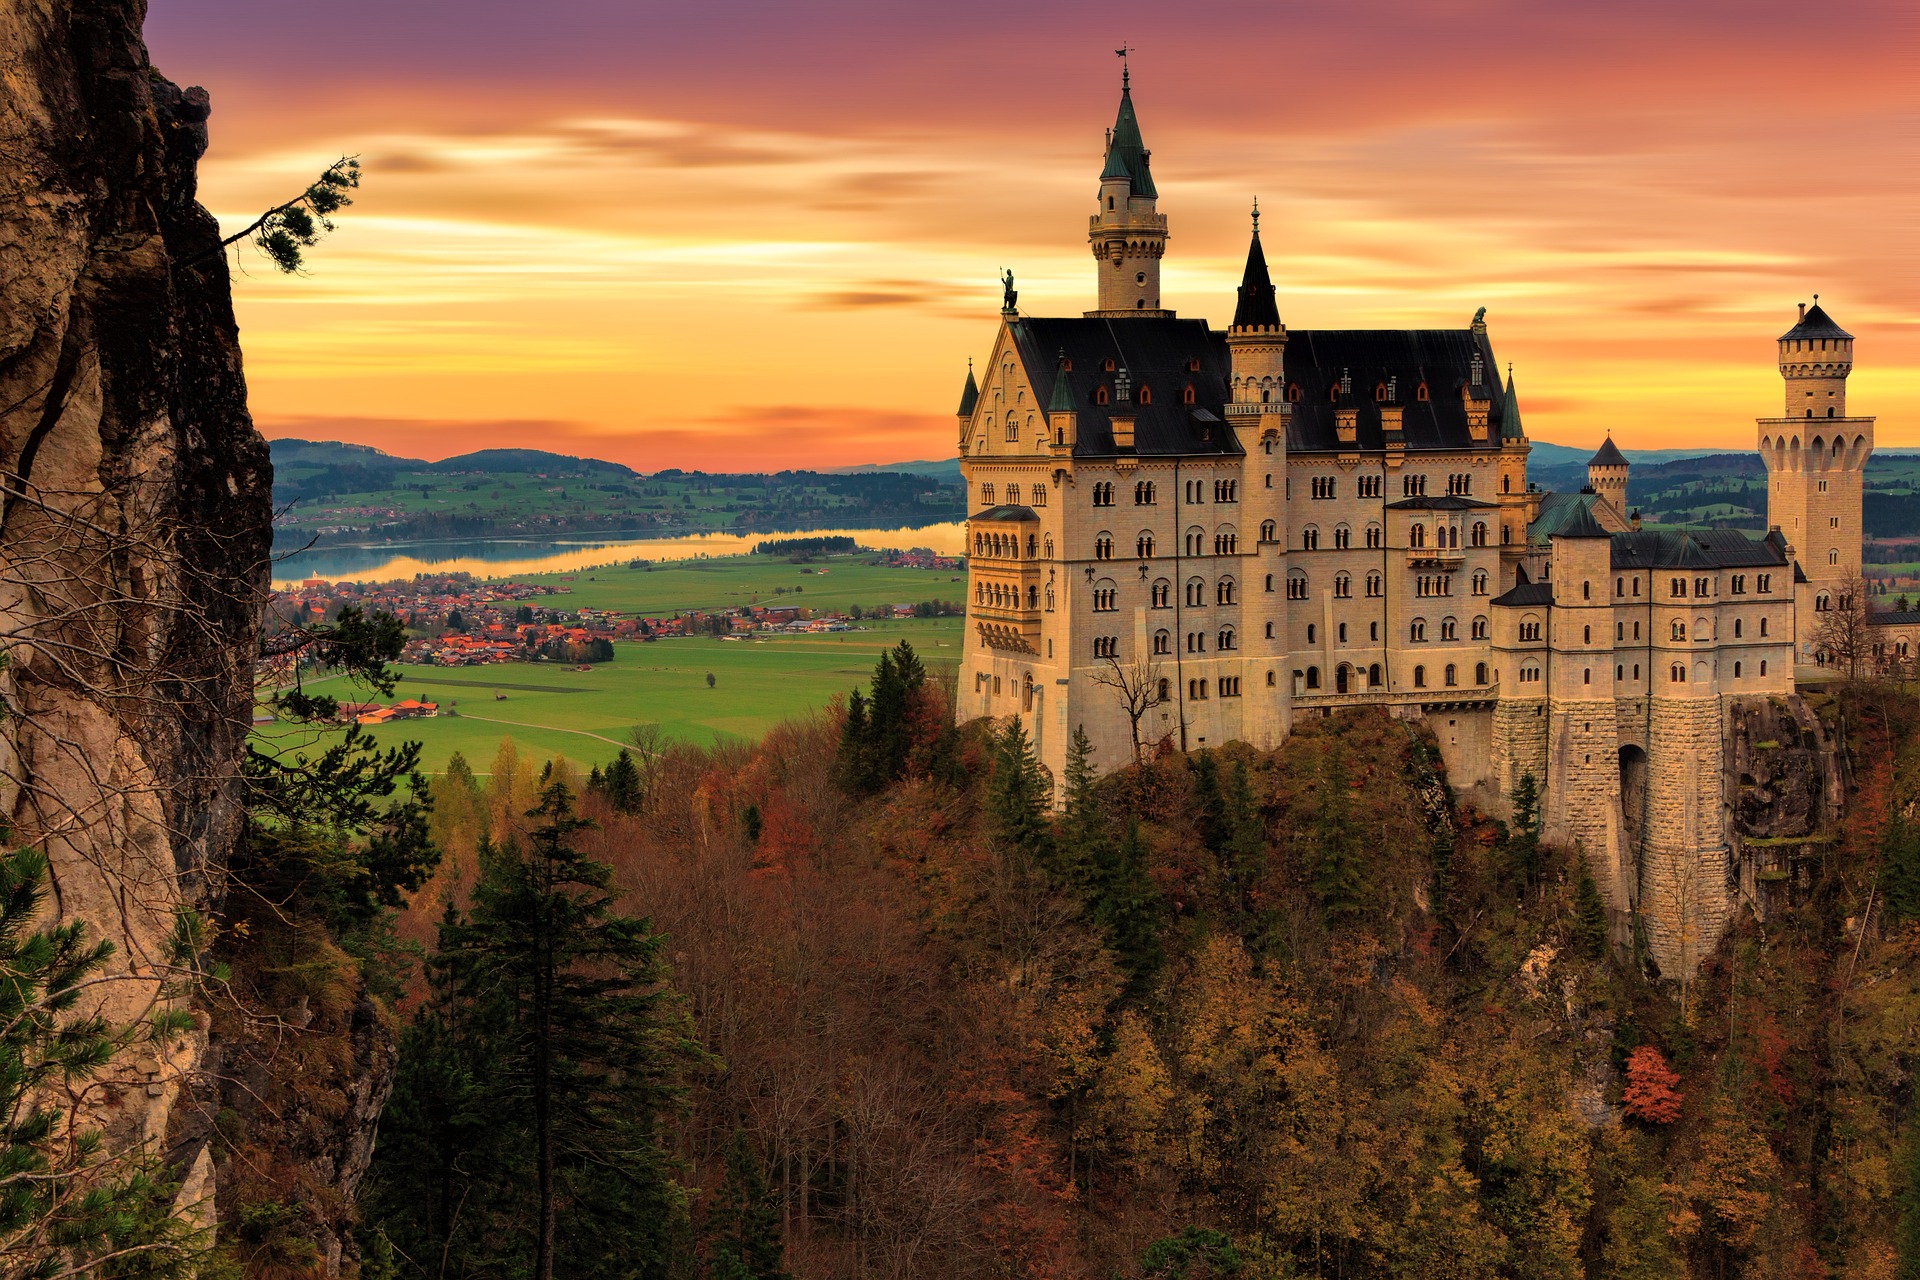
x=551 y=709
x=668 y=587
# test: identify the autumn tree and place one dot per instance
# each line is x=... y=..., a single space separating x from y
x=1649 y=1095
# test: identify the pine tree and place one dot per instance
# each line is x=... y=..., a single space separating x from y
x=1906 y=1239
x=540 y=1076
x=1018 y=794
x=1242 y=853
x=743 y=1227
x=1338 y=869
x=623 y=783
x=1084 y=833
x=64 y=1201
x=1209 y=817
x=1589 y=917
x=1126 y=906
x=856 y=747
x=1900 y=868
x=1523 y=842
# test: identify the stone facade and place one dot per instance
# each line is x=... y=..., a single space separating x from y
x=1187 y=537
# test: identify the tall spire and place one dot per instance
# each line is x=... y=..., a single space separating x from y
x=1510 y=428
x=1127 y=154
x=969 y=394
x=1256 y=308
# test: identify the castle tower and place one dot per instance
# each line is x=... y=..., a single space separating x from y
x=1815 y=455
x=1607 y=476
x=1127 y=237
x=969 y=397
x=1258 y=412
x=1683 y=836
x=1583 y=740
x=1515 y=511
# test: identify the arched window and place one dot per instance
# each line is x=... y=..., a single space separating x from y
x=1223 y=591
x=1310 y=538
x=1479 y=673
x=1479 y=533
x=1736 y=671
x=1143 y=546
x=1227 y=639
x=1449 y=676
x=1296 y=585
x=1163 y=642
x=1162 y=593
x=1039 y=495
x=1375 y=537
x=1103 y=546
x=1342 y=586
x=1419 y=677
x=1677 y=673
x=1313 y=677
x=1145 y=394
x=1375 y=586
x=1417 y=536
x=1586 y=635
x=1679 y=629
x=1186 y=394
x=1342 y=537
x=1479 y=582
x=1417 y=631
x=1269 y=532
x=1099 y=395
x=1196 y=593
x=986 y=495
x=1449 y=629
x=1373 y=676
x=1479 y=628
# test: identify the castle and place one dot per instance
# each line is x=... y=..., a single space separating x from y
x=1189 y=536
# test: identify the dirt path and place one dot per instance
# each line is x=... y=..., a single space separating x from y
x=550 y=728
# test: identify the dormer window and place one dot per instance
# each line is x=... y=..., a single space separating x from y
x=1380 y=393
x=1146 y=395
x=1186 y=394
x=1099 y=395
x=1420 y=392
x=1193 y=365
x=1107 y=364
x=1293 y=393
x=1066 y=366
x=1333 y=394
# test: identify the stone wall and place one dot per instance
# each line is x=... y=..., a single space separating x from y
x=1683 y=896
x=1519 y=742
x=1583 y=793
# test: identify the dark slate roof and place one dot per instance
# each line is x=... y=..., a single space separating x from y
x=1555 y=510
x=1126 y=152
x=1580 y=524
x=1815 y=324
x=1799 y=574
x=1608 y=456
x=1445 y=502
x=1155 y=352
x=1527 y=593
x=1510 y=428
x=1441 y=358
x=1256 y=307
x=969 y=394
x=1895 y=618
x=1695 y=549
x=1005 y=511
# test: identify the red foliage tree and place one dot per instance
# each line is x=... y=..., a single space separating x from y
x=1650 y=1096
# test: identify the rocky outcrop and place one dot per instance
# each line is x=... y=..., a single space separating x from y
x=1786 y=783
x=134 y=513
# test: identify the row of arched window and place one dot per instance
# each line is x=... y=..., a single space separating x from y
x=1038 y=496
x=1006 y=546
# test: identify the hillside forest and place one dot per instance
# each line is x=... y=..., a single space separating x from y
x=851 y=1002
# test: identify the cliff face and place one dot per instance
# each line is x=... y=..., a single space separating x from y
x=135 y=514
x=1787 y=783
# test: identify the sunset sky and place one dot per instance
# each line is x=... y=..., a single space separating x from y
x=744 y=236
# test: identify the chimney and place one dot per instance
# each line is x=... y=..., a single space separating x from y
x=1803 y=311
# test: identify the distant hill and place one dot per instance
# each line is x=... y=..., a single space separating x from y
x=336 y=453
x=947 y=469
x=496 y=460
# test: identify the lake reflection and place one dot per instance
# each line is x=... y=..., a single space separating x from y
x=510 y=557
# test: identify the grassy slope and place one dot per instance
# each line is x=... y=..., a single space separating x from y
x=758 y=684
x=833 y=584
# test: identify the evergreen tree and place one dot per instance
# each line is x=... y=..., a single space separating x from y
x=1589 y=917
x=1900 y=868
x=1523 y=840
x=1338 y=868
x=1127 y=907
x=623 y=783
x=856 y=747
x=1242 y=853
x=65 y=1204
x=1906 y=1239
x=743 y=1227
x=1084 y=833
x=1018 y=795
x=538 y=1079
x=1209 y=807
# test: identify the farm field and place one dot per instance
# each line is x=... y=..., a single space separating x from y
x=552 y=709
x=667 y=587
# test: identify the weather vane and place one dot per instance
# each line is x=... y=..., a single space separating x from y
x=1256 y=215
x=1121 y=53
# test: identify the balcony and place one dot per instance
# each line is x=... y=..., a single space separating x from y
x=1436 y=557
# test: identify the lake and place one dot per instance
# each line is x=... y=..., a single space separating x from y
x=516 y=557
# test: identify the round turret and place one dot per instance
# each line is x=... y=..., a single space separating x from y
x=1816 y=355
x=1607 y=477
